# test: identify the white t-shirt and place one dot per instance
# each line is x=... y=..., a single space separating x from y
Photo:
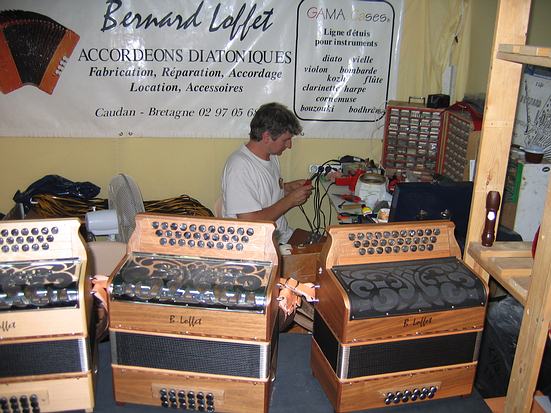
x=250 y=184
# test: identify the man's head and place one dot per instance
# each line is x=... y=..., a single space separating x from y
x=275 y=119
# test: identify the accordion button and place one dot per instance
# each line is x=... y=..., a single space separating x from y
x=164 y=403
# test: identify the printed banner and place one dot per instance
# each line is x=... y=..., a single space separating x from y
x=143 y=68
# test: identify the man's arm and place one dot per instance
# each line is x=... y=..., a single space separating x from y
x=294 y=198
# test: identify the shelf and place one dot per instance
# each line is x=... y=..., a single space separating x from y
x=530 y=55
x=509 y=263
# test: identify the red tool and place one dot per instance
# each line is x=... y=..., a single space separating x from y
x=350 y=198
x=350 y=180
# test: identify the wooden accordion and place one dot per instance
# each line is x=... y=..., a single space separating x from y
x=399 y=318
x=193 y=314
x=34 y=49
x=45 y=318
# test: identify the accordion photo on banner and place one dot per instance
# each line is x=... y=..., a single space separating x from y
x=34 y=50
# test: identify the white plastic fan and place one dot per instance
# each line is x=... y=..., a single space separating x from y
x=125 y=201
x=125 y=197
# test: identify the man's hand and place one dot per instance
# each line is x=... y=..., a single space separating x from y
x=296 y=193
x=289 y=187
x=300 y=192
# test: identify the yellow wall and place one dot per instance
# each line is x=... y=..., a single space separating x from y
x=483 y=16
x=164 y=168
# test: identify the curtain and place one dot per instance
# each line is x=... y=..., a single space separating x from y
x=436 y=34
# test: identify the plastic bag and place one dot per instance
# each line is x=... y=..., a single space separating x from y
x=56 y=185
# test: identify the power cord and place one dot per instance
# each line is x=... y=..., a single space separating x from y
x=319 y=222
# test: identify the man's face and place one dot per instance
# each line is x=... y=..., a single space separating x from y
x=283 y=141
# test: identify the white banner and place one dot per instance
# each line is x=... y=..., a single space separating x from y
x=190 y=68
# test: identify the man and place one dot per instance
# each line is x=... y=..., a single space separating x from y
x=252 y=187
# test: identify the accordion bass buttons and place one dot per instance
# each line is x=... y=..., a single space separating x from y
x=187 y=400
x=426 y=392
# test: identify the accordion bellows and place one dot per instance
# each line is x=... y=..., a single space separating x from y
x=33 y=50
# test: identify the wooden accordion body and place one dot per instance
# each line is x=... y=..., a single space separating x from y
x=45 y=317
x=34 y=50
x=399 y=317
x=193 y=314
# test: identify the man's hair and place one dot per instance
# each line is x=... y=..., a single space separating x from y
x=274 y=118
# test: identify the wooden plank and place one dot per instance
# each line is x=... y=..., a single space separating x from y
x=527 y=60
x=533 y=55
x=505 y=267
x=517 y=249
x=499 y=113
x=525 y=50
x=535 y=324
x=513 y=272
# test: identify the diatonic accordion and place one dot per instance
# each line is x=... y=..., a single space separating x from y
x=34 y=50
